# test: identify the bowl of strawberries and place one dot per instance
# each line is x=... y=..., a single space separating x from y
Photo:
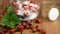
x=26 y=10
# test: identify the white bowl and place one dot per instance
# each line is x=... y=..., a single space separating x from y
x=30 y=17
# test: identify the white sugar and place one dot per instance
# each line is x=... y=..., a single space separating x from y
x=19 y=12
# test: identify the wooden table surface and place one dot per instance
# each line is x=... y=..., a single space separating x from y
x=47 y=25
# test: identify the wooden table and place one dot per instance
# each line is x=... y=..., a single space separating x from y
x=47 y=25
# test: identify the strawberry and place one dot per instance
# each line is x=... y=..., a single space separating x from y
x=20 y=28
x=23 y=5
x=35 y=2
x=27 y=27
x=29 y=7
x=25 y=14
x=29 y=21
x=38 y=20
x=31 y=1
x=43 y=32
x=24 y=24
x=33 y=21
x=1 y=32
x=14 y=4
x=5 y=30
x=38 y=28
x=11 y=31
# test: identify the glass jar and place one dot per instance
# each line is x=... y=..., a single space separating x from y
x=46 y=9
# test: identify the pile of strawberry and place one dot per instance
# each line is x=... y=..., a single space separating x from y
x=30 y=24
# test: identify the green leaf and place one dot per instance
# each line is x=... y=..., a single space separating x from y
x=10 y=10
x=10 y=18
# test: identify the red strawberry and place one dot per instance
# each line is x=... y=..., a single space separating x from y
x=20 y=28
x=43 y=32
x=33 y=21
x=11 y=31
x=14 y=4
x=29 y=21
x=35 y=2
x=29 y=7
x=31 y=1
x=23 y=5
x=5 y=30
x=38 y=28
x=27 y=27
x=38 y=20
x=25 y=14
x=1 y=32
x=24 y=24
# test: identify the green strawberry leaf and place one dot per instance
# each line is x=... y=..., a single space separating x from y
x=10 y=18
